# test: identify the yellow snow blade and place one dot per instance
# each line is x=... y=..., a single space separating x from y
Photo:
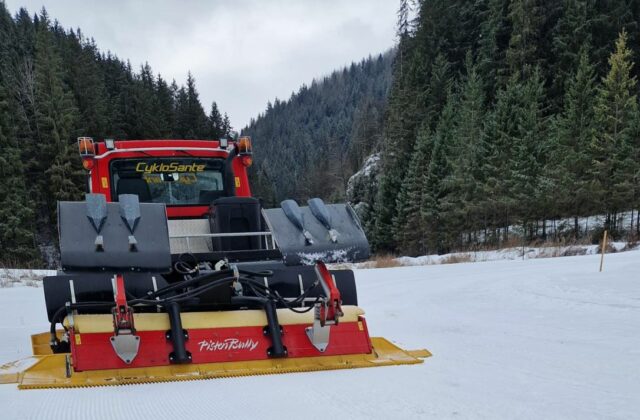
x=53 y=370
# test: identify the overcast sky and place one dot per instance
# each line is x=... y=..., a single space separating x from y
x=242 y=53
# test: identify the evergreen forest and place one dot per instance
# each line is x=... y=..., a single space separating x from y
x=55 y=85
x=322 y=133
x=503 y=117
x=509 y=113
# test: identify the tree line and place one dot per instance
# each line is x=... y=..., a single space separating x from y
x=508 y=113
x=489 y=118
x=55 y=85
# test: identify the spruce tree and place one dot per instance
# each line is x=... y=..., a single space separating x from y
x=435 y=188
x=530 y=150
x=440 y=85
x=87 y=84
x=501 y=128
x=196 y=117
x=164 y=108
x=144 y=121
x=216 y=129
x=570 y=35
x=402 y=121
x=574 y=130
x=408 y=224
x=366 y=131
x=494 y=36
x=56 y=115
x=183 y=126
x=463 y=203
x=526 y=18
x=191 y=120
x=226 y=125
x=616 y=116
x=17 y=241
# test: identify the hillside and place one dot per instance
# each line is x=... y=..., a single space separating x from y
x=310 y=144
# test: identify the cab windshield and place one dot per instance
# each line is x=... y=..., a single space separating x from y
x=173 y=181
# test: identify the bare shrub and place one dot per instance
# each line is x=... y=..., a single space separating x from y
x=632 y=244
x=7 y=279
x=610 y=248
x=457 y=258
x=573 y=251
x=386 y=261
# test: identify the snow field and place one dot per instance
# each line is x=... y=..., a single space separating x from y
x=540 y=338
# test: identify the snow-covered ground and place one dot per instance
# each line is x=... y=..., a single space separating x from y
x=522 y=253
x=540 y=338
x=10 y=277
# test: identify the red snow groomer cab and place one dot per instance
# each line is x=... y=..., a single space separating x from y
x=185 y=175
x=171 y=270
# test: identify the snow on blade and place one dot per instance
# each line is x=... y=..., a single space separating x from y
x=332 y=256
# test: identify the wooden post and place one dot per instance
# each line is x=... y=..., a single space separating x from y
x=604 y=248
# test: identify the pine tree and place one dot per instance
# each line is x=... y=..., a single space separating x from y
x=530 y=150
x=56 y=115
x=16 y=209
x=500 y=128
x=191 y=120
x=526 y=18
x=440 y=85
x=144 y=122
x=435 y=189
x=574 y=130
x=216 y=129
x=616 y=116
x=402 y=121
x=366 y=131
x=408 y=224
x=226 y=125
x=609 y=18
x=87 y=84
x=183 y=127
x=570 y=35
x=493 y=39
x=164 y=108
x=463 y=203
x=116 y=80
x=403 y=24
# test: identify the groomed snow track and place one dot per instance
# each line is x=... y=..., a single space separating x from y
x=541 y=338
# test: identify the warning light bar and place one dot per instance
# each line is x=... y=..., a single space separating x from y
x=244 y=146
x=86 y=147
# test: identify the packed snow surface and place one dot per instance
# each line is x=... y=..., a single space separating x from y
x=540 y=338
